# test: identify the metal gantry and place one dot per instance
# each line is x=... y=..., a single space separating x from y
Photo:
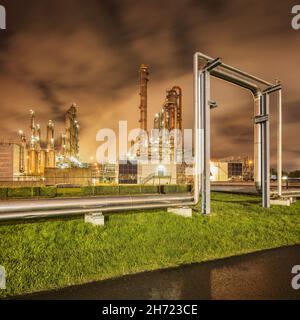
x=261 y=91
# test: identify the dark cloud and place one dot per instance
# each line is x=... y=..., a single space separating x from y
x=57 y=52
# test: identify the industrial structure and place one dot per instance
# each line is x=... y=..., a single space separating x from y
x=10 y=162
x=204 y=68
x=37 y=155
x=157 y=148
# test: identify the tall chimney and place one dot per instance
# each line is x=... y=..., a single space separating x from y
x=144 y=73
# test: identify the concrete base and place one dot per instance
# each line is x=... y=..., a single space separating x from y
x=182 y=211
x=96 y=219
x=281 y=202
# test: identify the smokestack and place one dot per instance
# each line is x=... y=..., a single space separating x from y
x=144 y=73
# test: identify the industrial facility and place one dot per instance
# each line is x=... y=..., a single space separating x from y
x=165 y=121
x=31 y=157
x=38 y=155
x=55 y=160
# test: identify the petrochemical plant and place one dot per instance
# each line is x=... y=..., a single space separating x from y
x=36 y=156
x=56 y=160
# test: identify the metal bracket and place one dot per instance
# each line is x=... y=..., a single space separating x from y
x=213 y=64
x=272 y=89
x=213 y=104
x=261 y=119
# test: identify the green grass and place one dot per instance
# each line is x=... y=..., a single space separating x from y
x=56 y=253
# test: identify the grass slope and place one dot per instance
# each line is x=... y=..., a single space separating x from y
x=56 y=253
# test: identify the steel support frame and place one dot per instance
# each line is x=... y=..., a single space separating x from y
x=203 y=105
x=265 y=150
x=204 y=121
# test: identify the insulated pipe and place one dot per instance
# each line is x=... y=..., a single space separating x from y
x=279 y=144
x=196 y=130
x=230 y=68
x=73 y=212
x=100 y=203
x=257 y=143
x=220 y=70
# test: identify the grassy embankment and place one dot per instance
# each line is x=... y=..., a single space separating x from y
x=56 y=253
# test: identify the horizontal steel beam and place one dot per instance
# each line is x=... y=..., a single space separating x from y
x=272 y=89
x=212 y=64
x=261 y=119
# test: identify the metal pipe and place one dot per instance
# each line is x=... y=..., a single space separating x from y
x=196 y=130
x=54 y=204
x=262 y=156
x=236 y=80
x=265 y=161
x=257 y=143
x=205 y=142
x=279 y=144
x=238 y=71
x=73 y=212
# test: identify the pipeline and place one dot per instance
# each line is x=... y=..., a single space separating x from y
x=61 y=208
x=54 y=208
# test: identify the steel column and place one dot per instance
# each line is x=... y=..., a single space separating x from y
x=265 y=159
x=205 y=140
x=197 y=132
x=279 y=145
x=257 y=143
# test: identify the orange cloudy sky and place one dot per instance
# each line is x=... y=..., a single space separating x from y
x=57 y=52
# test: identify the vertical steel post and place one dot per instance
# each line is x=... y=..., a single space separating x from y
x=265 y=160
x=257 y=143
x=279 y=145
x=205 y=140
x=197 y=132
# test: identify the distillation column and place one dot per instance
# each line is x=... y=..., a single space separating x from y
x=144 y=73
x=50 y=156
x=71 y=136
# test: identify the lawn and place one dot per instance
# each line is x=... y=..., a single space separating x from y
x=56 y=253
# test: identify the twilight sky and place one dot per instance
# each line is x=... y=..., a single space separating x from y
x=57 y=52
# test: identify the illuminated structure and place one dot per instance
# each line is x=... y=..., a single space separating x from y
x=33 y=157
x=36 y=155
x=71 y=142
x=161 y=140
x=144 y=73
